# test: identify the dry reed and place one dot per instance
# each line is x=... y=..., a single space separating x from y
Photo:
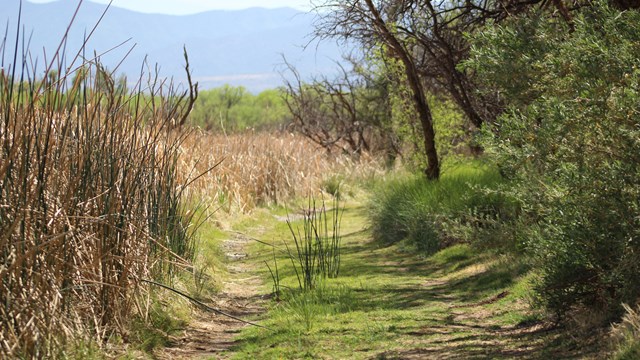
x=89 y=203
x=258 y=168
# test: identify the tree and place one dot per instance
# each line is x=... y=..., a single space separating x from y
x=365 y=21
x=429 y=39
x=348 y=112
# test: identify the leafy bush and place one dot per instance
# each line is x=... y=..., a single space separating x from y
x=433 y=214
x=570 y=140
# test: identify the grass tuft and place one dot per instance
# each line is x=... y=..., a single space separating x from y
x=626 y=335
x=317 y=254
x=431 y=215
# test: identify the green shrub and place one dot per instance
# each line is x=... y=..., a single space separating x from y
x=433 y=214
x=570 y=140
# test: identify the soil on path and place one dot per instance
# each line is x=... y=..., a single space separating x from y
x=211 y=335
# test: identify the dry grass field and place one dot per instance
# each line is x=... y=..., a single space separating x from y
x=263 y=168
x=90 y=206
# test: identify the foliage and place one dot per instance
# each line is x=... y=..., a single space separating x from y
x=452 y=136
x=570 y=141
x=452 y=133
x=429 y=214
x=234 y=109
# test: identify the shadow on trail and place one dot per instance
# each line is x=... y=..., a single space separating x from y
x=448 y=296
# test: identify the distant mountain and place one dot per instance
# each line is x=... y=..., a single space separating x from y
x=242 y=47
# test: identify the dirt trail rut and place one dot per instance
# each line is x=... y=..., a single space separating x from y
x=211 y=335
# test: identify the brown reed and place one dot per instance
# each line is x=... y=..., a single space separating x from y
x=265 y=168
x=90 y=203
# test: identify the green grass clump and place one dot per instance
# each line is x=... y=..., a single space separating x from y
x=627 y=334
x=152 y=332
x=333 y=185
x=631 y=352
x=317 y=247
x=432 y=214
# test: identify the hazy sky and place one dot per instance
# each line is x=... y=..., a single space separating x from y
x=181 y=7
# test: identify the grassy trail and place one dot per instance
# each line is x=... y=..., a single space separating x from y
x=211 y=335
x=389 y=303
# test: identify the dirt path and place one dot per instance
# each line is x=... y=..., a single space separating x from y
x=212 y=335
x=389 y=303
x=386 y=304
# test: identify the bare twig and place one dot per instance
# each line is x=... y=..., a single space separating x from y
x=198 y=302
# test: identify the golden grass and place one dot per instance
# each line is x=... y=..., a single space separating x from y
x=265 y=168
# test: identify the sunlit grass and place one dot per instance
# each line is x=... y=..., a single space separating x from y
x=429 y=215
x=386 y=300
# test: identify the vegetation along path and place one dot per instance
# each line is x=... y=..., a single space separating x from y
x=387 y=303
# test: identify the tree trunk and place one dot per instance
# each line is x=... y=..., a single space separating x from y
x=432 y=172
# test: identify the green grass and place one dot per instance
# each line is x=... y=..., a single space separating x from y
x=629 y=352
x=387 y=303
x=430 y=215
x=153 y=333
x=209 y=265
x=626 y=335
x=82 y=349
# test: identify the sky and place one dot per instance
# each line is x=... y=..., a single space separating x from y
x=182 y=7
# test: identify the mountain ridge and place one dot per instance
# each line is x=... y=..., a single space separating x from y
x=243 y=46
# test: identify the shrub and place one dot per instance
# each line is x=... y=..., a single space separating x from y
x=570 y=141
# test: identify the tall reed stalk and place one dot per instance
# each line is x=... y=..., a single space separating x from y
x=90 y=201
x=317 y=246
